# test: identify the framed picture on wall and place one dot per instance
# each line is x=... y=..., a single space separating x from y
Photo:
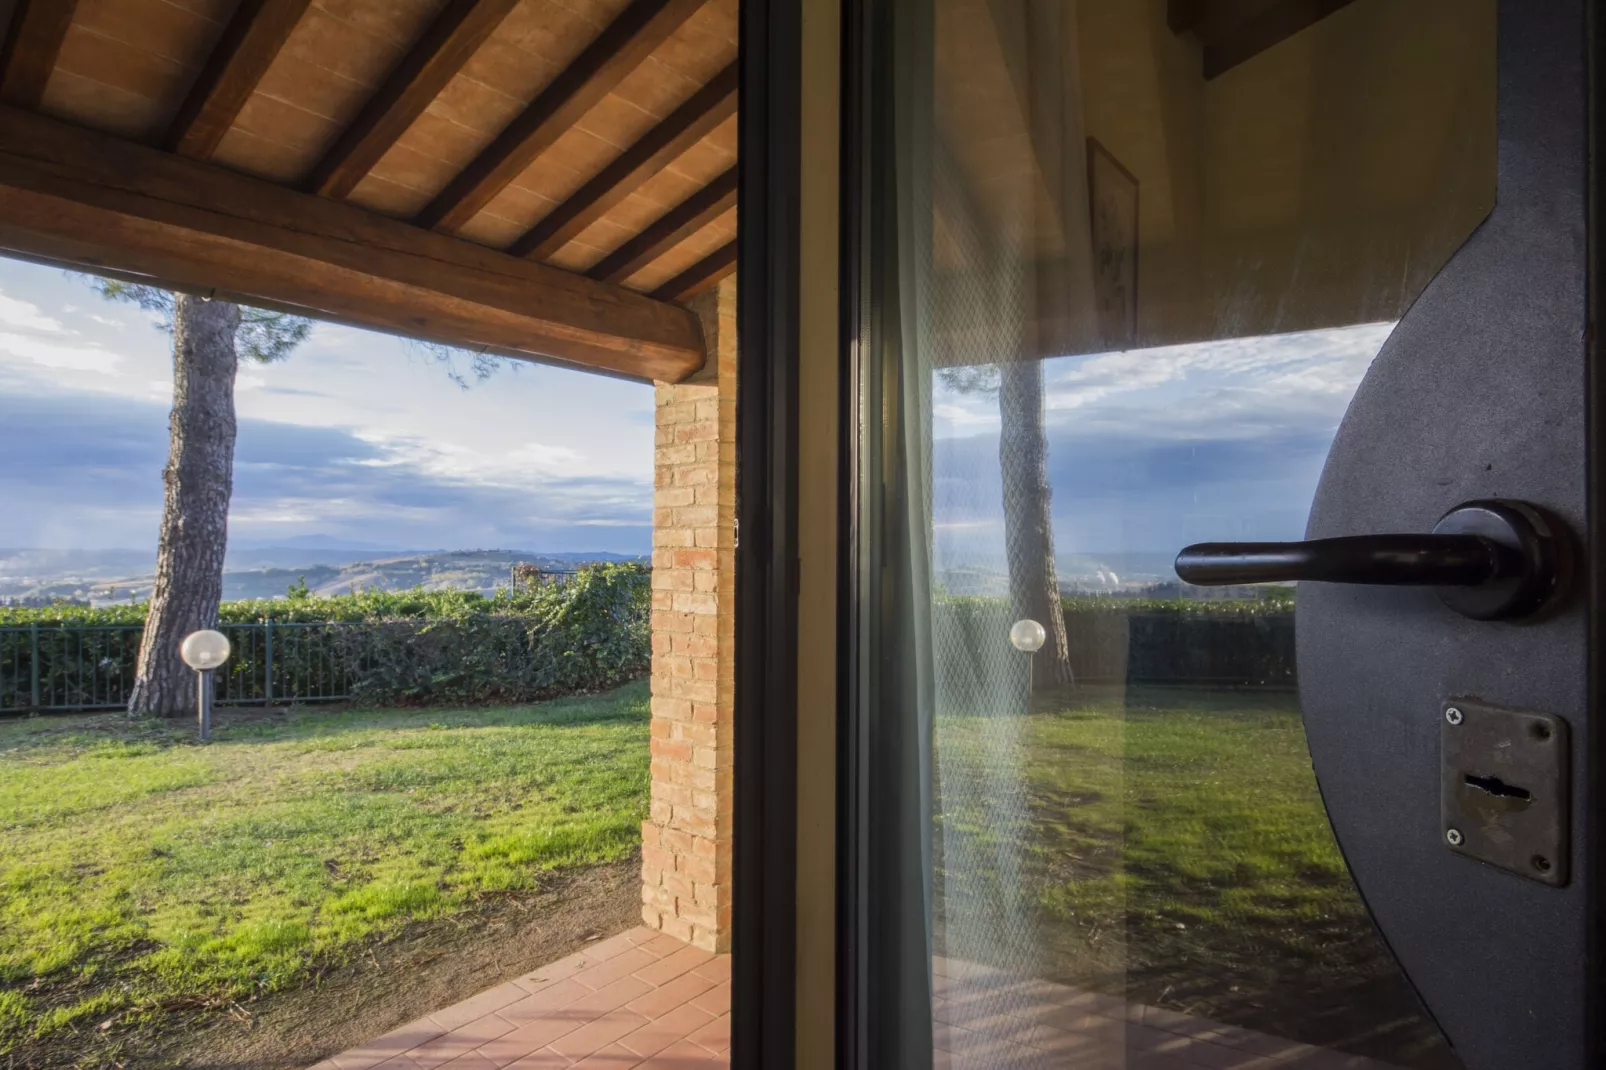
x=1113 y=208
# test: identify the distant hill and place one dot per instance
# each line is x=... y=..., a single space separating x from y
x=102 y=576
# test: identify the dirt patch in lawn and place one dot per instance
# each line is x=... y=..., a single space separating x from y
x=423 y=968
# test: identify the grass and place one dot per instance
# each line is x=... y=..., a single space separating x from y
x=1169 y=845
x=144 y=875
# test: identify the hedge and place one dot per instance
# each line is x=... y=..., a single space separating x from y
x=375 y=647
x=1237 y=643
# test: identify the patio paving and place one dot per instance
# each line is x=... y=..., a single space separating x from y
x=638 y=999
x=644 y=999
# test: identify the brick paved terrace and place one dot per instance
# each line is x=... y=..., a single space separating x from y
x=640 y=999
x=645 y=999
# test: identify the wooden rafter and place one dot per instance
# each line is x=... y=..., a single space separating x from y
x=432 y=62
x=33 y=41
x=249 y=45
x=700 y=276
x=684 y=127
x=669 y=229
x=617 y=51
x=86 y=198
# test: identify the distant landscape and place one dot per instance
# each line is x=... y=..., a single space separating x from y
x=326 y=566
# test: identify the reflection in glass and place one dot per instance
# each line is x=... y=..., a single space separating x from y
x=1126 y=291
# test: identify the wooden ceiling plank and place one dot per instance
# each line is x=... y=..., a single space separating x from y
x=701 y=276
x=1272 y=27
x=33 y=42
x=687 y=125
x=669 y=230
x=432 y=62
x=617 y=51
x=77 y=195
x=248 y=47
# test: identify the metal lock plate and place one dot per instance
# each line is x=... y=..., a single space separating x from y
x=1504 y=788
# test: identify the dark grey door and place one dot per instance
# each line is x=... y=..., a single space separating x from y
x=1303 y=288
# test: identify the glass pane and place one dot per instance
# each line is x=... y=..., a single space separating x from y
x=1129 y=262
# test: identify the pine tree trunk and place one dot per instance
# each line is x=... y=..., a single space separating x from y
x=1028 y=525
x=195 y=510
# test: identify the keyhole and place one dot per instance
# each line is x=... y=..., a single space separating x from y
x=1498 y=788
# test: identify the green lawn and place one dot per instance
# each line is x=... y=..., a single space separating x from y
x=1168 y=844
x=143 y=874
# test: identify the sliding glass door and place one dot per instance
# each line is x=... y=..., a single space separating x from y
x=1117 y=273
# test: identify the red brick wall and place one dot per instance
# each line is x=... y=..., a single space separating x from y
x=686 y=840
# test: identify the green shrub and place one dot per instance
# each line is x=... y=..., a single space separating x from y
x=379 y=648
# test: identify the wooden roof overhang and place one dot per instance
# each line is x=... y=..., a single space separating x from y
x=539 y=179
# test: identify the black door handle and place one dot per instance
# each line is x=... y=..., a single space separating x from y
x=1490 y=560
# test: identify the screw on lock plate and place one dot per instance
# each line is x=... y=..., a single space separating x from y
x=1504 y=788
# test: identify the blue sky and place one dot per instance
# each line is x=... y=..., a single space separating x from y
x=356 y=437
x=1152 y=449
x=359 y=437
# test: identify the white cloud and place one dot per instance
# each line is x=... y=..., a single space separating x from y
x=25 y=315
x=63 y=356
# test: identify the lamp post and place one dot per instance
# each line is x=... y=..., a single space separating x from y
x=204 y=651
x=1028 y=637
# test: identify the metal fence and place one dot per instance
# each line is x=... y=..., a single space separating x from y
x=59 y=668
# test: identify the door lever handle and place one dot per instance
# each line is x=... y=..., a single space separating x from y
x=1489 y=560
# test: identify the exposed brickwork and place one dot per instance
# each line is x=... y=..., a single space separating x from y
x=686 y=840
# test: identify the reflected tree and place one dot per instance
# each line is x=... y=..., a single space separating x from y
x=1028 y=498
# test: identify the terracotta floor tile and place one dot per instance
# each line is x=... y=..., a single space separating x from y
x=623 y=964
x=718 y=970
x=613 y=1057
x=682 y=989
x=592 y=1038
x=666 y=1029
x=472 y=1061
x=615 y=995
x=443 y=1049
x=716 y=1000
x=385 y=1048
x=544 y=1001
x=603 y=950
x=715 y=1036
x=399 y=1062
x=534 y=1036
x=478 y=1006
x=683 y=1056
x=545 y=1059
x=639 y=984
x=672 y=966
x=663 y=944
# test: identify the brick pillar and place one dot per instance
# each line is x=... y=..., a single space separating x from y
x=686 y=840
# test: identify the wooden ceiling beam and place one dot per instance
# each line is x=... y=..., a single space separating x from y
x=685 y=126
x=248 y=47
x=97 y=201
x=669 y=229
x=617 y=51
x=703 y=275
x=33 y=41
x=432 y=62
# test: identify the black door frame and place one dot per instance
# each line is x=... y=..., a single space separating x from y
x=764 y=923
x=860 y=24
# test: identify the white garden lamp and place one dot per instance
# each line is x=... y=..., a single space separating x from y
x=1028 y=637
x=204 y=651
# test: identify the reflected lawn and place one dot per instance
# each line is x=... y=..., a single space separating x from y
x=1173 y=848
